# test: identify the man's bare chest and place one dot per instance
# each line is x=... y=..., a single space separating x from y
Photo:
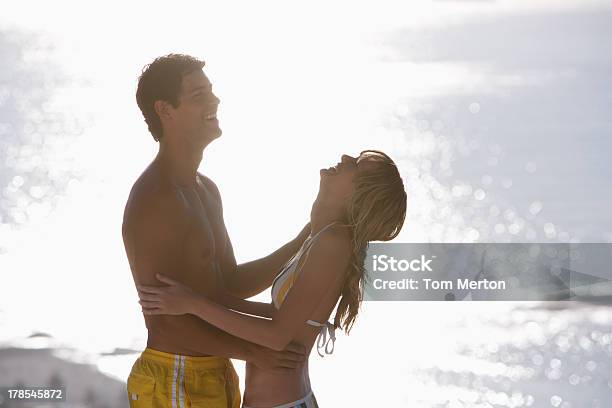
x=205 y=232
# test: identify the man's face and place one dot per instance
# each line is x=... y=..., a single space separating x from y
x=196 y=115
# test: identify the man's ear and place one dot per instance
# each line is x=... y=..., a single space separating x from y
x=162 y=109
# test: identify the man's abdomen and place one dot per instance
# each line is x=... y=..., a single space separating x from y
x=160 y=343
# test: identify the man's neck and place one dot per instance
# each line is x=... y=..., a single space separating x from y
x=179 y=162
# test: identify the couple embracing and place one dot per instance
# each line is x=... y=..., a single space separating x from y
x=192 y=291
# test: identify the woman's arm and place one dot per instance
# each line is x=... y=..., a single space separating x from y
x=246 y=306
x=260 y=331
x=177 y=298
x=323 y=271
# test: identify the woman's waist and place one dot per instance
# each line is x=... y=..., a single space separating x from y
x=279 y=376
x=264 y=387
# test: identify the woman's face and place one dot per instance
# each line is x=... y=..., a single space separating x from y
x=337 y=181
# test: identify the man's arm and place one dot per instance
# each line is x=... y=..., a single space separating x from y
x=155 y=237
x=323 y=271
x=250 y=278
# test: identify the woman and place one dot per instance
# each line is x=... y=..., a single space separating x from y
x=360 y=200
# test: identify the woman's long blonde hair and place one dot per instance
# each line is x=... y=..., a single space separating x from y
x=376 y=212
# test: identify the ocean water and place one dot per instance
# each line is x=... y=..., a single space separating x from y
x=466 y=354
x=495 y=111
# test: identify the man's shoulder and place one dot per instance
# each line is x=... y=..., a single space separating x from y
x=209 y=184
x=152 y=193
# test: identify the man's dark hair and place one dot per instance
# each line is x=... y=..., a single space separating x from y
x=161 y=80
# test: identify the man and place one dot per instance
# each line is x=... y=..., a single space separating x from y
x=173 y=224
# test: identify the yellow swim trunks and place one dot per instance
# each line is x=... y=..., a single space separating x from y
x=166 y=380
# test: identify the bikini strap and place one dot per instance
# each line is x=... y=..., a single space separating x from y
x=323 y=342
x=311 y=238
x=303 y=251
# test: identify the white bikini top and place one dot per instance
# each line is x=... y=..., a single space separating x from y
x=283 y=283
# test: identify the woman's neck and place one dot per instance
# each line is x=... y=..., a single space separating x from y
x=323 y=214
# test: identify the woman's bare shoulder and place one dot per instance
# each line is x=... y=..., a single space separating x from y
x=335 y=240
